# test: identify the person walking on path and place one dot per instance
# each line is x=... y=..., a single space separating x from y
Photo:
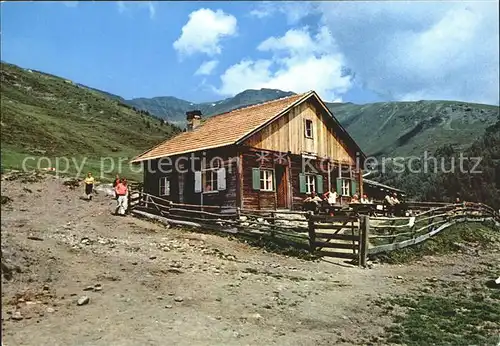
x=121 y=199
x=116 y=182
x=89 y=186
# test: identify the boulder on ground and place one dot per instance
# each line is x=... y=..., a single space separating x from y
x=72 y=183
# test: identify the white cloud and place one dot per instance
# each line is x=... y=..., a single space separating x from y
x=70 y=3
x=151 y=9
x=122 y=7
x=298 y=62
x=207 y=68
x=204 y=31
x=300 y=42
x=294 y=11
x=65 y=3
x=417 y=50
x=406 y=50
x=125 y=6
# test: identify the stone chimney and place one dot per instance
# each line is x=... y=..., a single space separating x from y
x=193 y=120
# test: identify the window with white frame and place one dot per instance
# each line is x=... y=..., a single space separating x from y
x=309 y=128
x=266 y=180
x=310 y=183
x=164 y=186
x=210 y=177
x=345 y=187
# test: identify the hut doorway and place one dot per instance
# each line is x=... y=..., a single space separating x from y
x=282 y=187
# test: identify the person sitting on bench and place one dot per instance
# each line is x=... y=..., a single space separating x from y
x=312 y=203
x=330 y=199
x=389 y=203
x=365 y=200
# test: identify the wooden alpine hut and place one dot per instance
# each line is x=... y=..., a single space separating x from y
x=265 y=156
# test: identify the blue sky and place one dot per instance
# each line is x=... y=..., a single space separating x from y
x=203 y=51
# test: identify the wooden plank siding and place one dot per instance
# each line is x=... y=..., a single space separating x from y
x=287 y=133
x=255 y=199
x=227 y=197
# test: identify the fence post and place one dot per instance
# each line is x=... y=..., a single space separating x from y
x=272 y=224
x=238 y=219
x=129 y=199
x=363 y=239
x=431 y=220
x=312 y=235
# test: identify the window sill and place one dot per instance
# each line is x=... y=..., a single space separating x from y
x=210 y=192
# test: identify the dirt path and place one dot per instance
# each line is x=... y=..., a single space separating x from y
x=157 y=286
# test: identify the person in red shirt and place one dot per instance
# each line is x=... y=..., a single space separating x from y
x=121 y=190
x=117 y=180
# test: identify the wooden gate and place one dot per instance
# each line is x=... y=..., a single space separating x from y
x=339 y=236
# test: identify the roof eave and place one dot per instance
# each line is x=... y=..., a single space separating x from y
x=137 y=160
x=380 y=185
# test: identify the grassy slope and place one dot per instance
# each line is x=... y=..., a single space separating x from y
x=448 y=312
x=450 y=315
x=410 y=128
x=44 y=115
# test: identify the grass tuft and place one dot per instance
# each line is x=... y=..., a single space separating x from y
x=455 y=313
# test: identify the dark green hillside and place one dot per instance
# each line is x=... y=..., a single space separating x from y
x=482 y=184
x=410 y=128
x=44 y=115
x=169 y=108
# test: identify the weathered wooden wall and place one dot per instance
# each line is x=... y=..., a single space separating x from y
x=255 y=199
x=288 y=134
x=227 y=197
x=252 y=199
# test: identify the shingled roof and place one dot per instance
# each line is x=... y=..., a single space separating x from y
x=235 y=126
x=224 y=129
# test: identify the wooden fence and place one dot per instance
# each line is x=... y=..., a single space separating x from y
x=286 y=227
x=392 y=233
x=353 y=237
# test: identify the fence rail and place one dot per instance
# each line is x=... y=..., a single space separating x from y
x=348 y=237
x=388 y=234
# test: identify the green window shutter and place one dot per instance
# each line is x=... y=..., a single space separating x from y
x=256 y=178
x=339 y=186
x=302 y=183
x=354 y=187
x=319 y=183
